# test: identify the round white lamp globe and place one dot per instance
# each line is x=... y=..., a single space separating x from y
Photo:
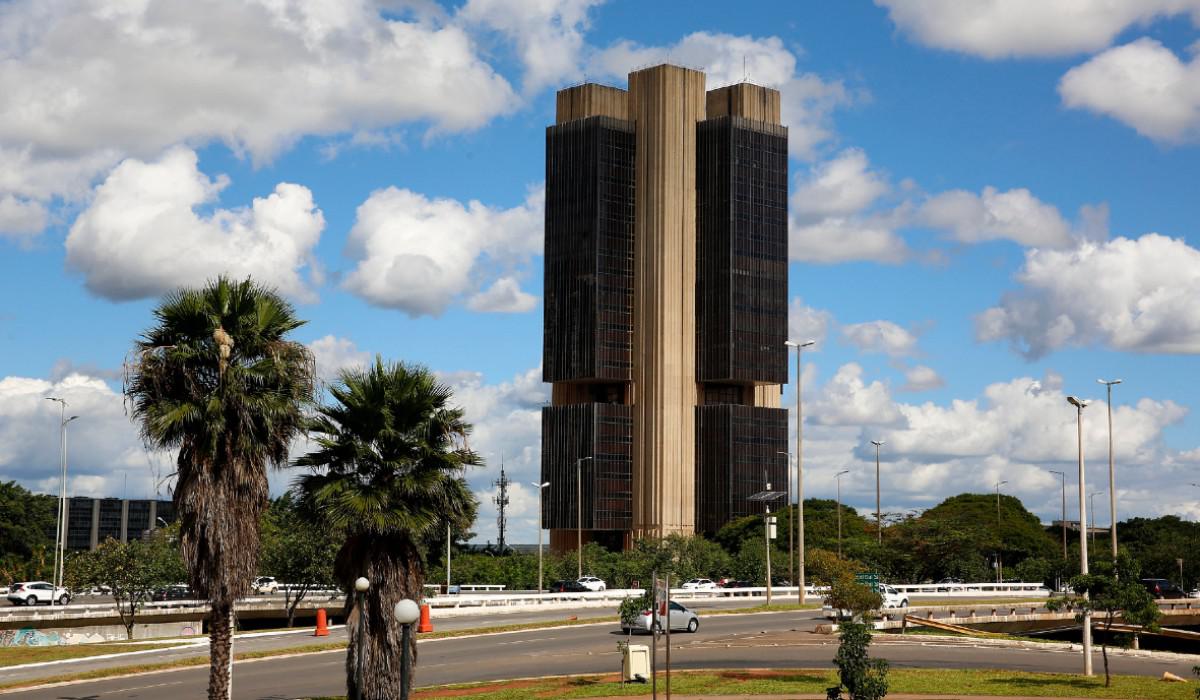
x=362 y=584
x=407 y=611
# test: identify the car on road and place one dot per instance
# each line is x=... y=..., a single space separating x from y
x=892 y=598
x=568 y=587
x=699 y=584
x=734 y=583
x=178 y=592
x=265 y=584
x=680 y=618
x=1162 y=588
x=592 y=583
x=35 y=592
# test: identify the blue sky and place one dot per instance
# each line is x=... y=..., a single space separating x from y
x=992 y=205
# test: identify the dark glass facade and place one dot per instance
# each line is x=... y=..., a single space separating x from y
x=603 y=432
x=588 y=326
x=737 y=453
x=741 y=246
x=79 y=523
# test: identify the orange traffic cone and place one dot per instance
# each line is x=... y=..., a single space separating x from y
x=322 y=624
x=425 y=625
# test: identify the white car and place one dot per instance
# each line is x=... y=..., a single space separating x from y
x=34 y=592
x=265 y=584
x=700 y=584
x=592 y=583
x=892 y=598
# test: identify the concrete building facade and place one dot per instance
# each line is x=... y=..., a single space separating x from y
x=665 y=306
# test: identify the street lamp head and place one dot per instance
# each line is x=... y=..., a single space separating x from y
x=69 y=419
x=877 y=443
x=542 y=485
x=361 y=584
x=1108 y=382
x=55 y=398
x=797 y=344
x=839 y=474
x=1077 y=402
x=1000 y=483
x=406 y=611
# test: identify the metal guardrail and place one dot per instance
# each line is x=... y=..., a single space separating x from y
x=317 y=598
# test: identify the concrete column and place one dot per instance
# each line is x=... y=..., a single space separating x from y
x=124 y=520
x=95 y=539
x=666 y=102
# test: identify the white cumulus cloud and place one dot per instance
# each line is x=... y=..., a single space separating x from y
x=548 y=34
x=334 y=354
x=1014 y=215
x=142 y=234
x=1004 y=28
x=1142 y=84
x=921 y=378
x=1129 y=294
x=807 y=100
x=83 y=85
x=846 y=399
x=806 y=323
x=419 y=255
x=880 y=336
x=504 y=296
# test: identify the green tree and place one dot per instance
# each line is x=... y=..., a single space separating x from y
x=218 y=380
x=1112 y=592
x=298 y=550
x=388 y=470
x=863 y=677
x=130 y=570
x=26 y=532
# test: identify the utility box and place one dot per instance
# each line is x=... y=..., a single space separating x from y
x=635 y=663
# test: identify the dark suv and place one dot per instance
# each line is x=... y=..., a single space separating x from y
x=1162 y=588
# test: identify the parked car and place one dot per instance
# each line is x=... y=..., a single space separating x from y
x=699 y=584
x=568 y=587
x=265 y=584
x=1162 y=588
x=733 y=583
x=34 y=592
x=592 y=583
x=892 y=598
x=680 y=618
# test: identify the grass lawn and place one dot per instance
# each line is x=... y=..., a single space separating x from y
x=13 y=656
x=958 y=683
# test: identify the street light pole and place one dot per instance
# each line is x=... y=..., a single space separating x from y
x=1063 y=522
x=579 y=515
x=878 y=514
x=1112 y=479
x=799 y=465
x=540 y=488
x=999 y=565
x=838 y=478
x=60 y=530
x=791 y=516
x=1079 y=405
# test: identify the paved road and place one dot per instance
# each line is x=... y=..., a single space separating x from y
x=781 y=640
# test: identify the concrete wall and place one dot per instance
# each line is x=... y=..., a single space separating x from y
x=30 y=637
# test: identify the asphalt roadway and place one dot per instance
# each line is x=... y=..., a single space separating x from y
x=771 y=640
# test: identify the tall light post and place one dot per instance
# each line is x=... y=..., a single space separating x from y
x=878 y=514
x=361 y=585
x=791 y=516
x=799 y=463
x=449 y=540
x=1092 y=507
x=1063 y=522
x=999 y=564
x=540 y=488
x=1079 y=405
x=579 y=515
x=1112 y=478
x=60 y=530
x=838 y=478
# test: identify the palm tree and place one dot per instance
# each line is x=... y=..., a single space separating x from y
x=388 y=473
x=217 y=379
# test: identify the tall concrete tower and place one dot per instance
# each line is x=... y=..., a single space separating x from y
x=665 y=306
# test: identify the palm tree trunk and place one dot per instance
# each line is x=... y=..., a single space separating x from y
x=220 y=642
x=393 y=566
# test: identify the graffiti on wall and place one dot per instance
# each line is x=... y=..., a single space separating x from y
x=29 y=637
